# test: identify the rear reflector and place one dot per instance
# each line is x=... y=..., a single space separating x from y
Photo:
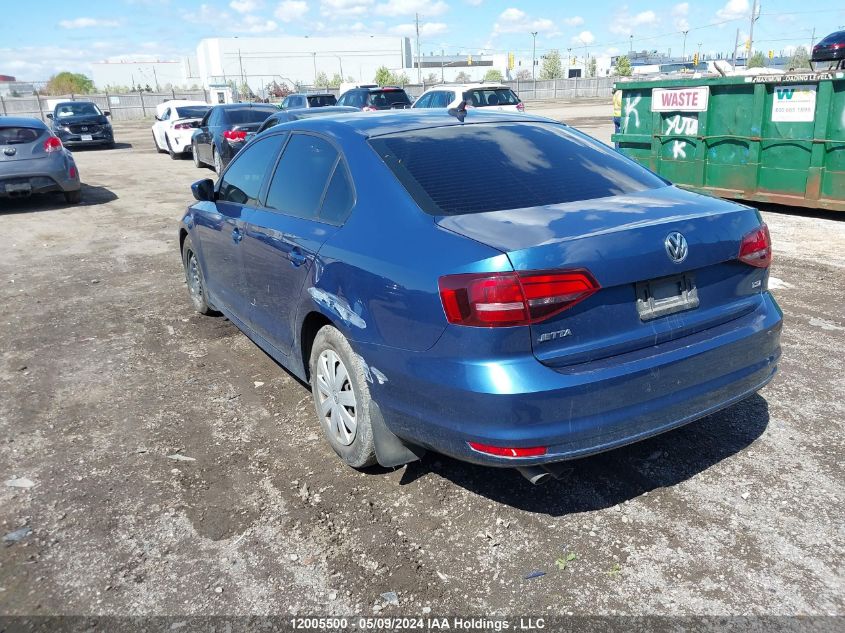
x=506 y=451
x=183 y=126
x=520 y=106
x=514 y=298
x=52 y=144
x=234 y=135
x=369 y=109
x=756 y=247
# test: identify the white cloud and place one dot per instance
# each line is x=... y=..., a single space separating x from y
x=206 y=14
x=254 y=24
x=624 y=23
x=245 y=6
x=291 y=10
x=427 y=29
x=584 y=38
x=517 y=21
x=86 y=23
x=681 y=10
x=346 y=8
x=734 y=9
x=475 y=3
x=409 y=7
x=575 y=20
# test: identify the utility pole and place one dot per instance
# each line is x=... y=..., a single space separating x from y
x=419 y=68
x=314 y=58
x=631 y=45
x=755 y=11
x=534 y=57
x=442 y=78
x=155 y=77
x=813 y=40
x=684 y=53
x=736 y=46
x=241 y=63
x=699 y=51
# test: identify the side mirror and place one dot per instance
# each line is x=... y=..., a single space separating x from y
x=157 y=118
x=49 y=115
x=106 y=113
x=203 y=190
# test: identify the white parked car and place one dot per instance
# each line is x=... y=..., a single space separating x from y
x=175 y=124
x=482 y=95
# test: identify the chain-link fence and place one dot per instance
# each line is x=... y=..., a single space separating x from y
x=125 y=106
x=139 y=105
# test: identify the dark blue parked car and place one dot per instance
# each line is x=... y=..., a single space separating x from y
x=505 y=290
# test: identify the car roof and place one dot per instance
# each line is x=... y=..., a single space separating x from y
x=21 y=121
x=240 y=106
x=69 y=102
x=311 y=94
x=372 y=124
x=475 y=86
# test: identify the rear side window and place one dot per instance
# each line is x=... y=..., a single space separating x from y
x=301 y=176
x=241 y=182
x=388 y=98
x=18 y=135
x=354 y=99
x=493 y=97
x=488 y=167
x=339 y=196
x=320 y=101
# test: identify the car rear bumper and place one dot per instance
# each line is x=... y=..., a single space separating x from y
x=444 y=403
x=181 y=143
x=43 y=175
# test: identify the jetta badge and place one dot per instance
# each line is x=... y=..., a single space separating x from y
x=9 y=151
x=676 y=247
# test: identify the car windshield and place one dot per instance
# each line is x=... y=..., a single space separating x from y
x=319 y=101
x=18 y=135
x=191 y=112
x=493 y=97
x=510 y=165
x=77 y=109
x=248 y=115
x=388 y=98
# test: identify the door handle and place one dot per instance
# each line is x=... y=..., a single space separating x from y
x=237 y=236
x=297 y=258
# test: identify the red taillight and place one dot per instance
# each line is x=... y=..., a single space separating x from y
x=756 y=247
x=234 y=135
x=515 y=298
x=183 y=126
x=52 y=144
x=369 y=109
x=507 y=451
x=72 y=173
x=520 y=106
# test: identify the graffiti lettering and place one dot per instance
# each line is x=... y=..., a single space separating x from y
x=679 y=149
x=680 y=124
x=631 y=108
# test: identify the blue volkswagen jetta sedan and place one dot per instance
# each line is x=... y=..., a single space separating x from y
x=499 y=288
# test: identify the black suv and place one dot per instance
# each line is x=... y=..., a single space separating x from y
x=372 y=99
x=310 y=100
x=831 y=48
x=81 y=123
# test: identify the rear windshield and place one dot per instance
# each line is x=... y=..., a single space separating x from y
x=18 y=135
x=248 y=115
x=77 y=109
x=320 y=101
x=493 y=97
x=488 y=167
x=192 y=112
x=833 y=38
x=388 y=98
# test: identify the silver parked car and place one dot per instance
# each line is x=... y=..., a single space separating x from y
x=33 y=160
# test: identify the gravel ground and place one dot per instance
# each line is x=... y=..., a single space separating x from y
x=106 y=373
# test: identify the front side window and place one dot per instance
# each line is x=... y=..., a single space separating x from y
x=354 y=99
x=508 y=165
x=321 y=101
x=424 y=101
x=493 y=97
x=442 y=99
x=241 y=182
x=301 y=176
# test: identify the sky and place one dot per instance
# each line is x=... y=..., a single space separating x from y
x=71 y=35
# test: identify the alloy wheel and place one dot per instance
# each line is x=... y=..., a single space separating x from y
x=336 y=400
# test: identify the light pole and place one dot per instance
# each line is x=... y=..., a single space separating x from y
x=631 y=45
x=340 y=61
x=314 y=57
x=684 y=54
x=534 y=57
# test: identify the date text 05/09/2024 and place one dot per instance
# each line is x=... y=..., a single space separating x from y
x=416 y=624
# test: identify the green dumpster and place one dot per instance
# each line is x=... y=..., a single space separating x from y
x=770 y=138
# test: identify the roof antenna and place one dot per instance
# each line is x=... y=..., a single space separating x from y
x=460 y=111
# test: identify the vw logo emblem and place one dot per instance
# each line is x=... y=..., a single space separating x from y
x=676 y=247
x=9 y=151
x=84 y=129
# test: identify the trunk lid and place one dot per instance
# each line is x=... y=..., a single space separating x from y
x=621 y=240
x=18 y=143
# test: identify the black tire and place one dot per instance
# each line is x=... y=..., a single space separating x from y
x=194 y=279
x=360 y=452
x=173 y=155
x=218 y=162
x=73 y=197
x=196 y=155
x=155 y=142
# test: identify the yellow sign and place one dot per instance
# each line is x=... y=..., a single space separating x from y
x=469 y=60
x=510 y=61
x=695 y=60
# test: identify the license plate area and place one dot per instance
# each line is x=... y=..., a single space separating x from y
x=668 y=295
x=86 y=137
x=18 y=187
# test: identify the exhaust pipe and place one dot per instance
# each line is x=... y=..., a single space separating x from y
x=535 y=474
